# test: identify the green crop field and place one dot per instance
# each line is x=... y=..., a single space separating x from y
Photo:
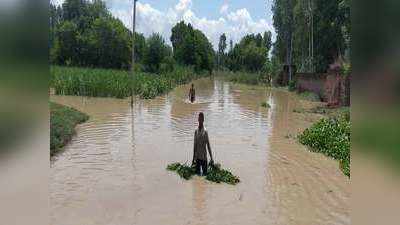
x=117 y=83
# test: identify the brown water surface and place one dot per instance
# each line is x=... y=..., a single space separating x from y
x=113 y=171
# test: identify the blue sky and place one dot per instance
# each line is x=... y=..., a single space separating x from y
x=235 y=18
x=210 y=8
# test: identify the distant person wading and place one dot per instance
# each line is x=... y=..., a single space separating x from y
x=192 y=94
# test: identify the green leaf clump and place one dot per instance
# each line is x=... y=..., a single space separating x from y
x=332 y=138
x=265 y=105
x=215 y=173
x=183 y=170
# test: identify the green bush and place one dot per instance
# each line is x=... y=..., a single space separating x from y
x=214 y=174
x=310 y=96
x=265 y=105
x=332 y=138
x=63 y=120
x=292 y=85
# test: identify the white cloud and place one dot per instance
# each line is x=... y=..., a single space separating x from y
x=224 y=8
x=183 y=5
x=235 y=24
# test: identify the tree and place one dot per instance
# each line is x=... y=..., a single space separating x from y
x=299 y=22
x=84 y=33
x=250 y=54
x=66 y=47
x=156 y=51
x=221 y=50
x=108 y=44
x=191 y=47
x=266 y=40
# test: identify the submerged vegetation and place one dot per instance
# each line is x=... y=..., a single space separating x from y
x=331 y=137
x=265 y=105
x=117 y=83
x=63 y=120
x=310 y=96
x=215 y=173
x=244 y=77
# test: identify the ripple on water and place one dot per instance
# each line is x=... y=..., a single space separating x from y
x=113 y=171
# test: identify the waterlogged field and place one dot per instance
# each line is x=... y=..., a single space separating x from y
x=148 y=86
x=114 y=170
x=245 y=77
x=117 y=83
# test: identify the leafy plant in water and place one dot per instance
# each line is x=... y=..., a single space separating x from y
x=183 y=170
x=332 y=138
x=215 y=173
x=265 y=105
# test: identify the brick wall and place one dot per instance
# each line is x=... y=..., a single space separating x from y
x=331 y=87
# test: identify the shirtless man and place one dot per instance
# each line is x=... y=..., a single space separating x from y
x=201 y=144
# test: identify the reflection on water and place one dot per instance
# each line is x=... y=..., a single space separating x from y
x=113 y=171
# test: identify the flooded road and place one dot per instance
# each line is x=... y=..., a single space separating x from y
x=113 y=171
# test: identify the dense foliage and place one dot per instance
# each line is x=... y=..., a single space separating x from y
x=63 y=120
x=191 y=47
x=156 y=53
x=250 y=54
x=311 y=34
x=214 y=173
x=332 y=138
x=84 y=33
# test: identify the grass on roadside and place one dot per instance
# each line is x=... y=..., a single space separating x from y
x=63 y=120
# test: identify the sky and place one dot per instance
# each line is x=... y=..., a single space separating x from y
x=235 y=18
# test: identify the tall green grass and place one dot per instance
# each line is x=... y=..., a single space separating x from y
x=90 y=82
x=117 y=83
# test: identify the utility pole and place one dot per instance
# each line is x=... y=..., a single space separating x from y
x=133 y=48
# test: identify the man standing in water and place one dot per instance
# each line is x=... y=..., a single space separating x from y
x=201 y=142
x=192 y=94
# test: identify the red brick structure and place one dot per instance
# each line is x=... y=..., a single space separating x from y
x=331 y=87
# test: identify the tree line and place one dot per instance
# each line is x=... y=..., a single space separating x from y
x=84 y=33
x=311 y=34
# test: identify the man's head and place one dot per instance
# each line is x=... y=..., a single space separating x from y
x=192 y=85
x=201 y=118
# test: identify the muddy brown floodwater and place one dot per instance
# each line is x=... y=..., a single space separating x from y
x=113 y=171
